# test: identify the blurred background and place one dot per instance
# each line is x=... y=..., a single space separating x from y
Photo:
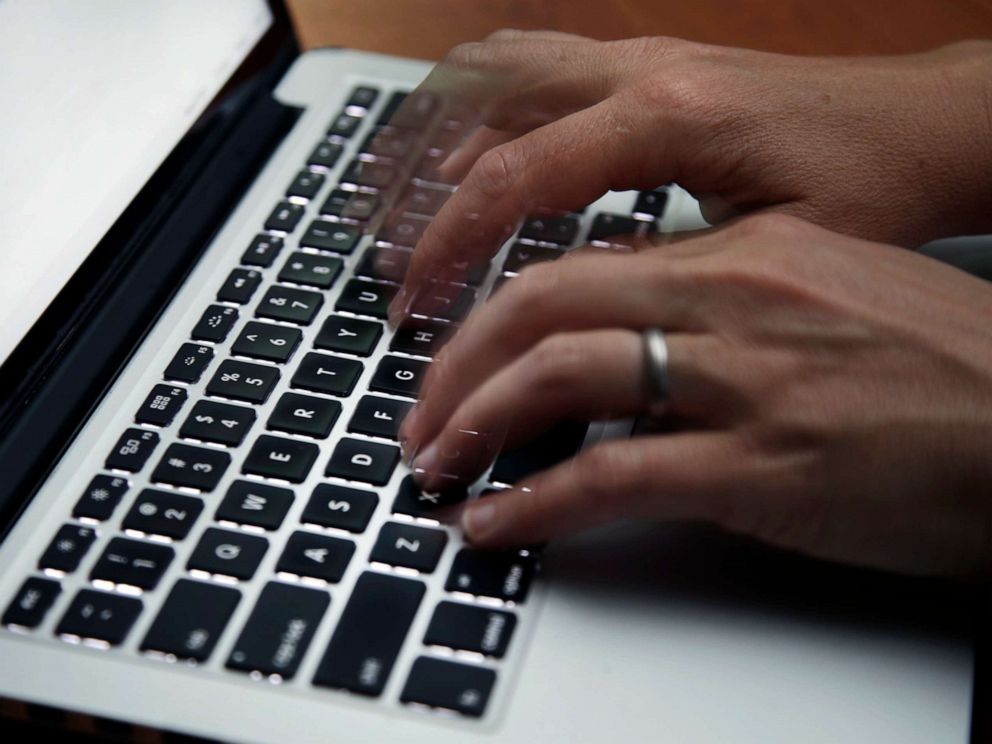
x=428 y=28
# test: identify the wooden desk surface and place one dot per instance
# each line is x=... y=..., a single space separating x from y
x=428 y=28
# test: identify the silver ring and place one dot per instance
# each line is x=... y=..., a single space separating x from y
x=656 y=368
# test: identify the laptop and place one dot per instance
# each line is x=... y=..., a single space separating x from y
x=206 y=526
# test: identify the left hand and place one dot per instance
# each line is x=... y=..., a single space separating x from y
x=837 y=396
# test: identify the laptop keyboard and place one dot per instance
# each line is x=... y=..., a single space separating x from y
x=296 y=324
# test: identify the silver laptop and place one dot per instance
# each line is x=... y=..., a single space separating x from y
x=207 y=529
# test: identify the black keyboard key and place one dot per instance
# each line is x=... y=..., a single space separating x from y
x=424 y=200
x=163 y=513
x=369 y=175
x=262 y=251
x=191 y=467
x=405 y=545
x=370 y=634
x=243 y=381
x=555 y=446
x=285 y=217
x=363 y=97
x=191 y=620
x=403 y=230
x=67 y=548
x=279 y=630
x=290 y=304
x=239 y=286
x=366 y=298
x=350 y=335
x=606 y=225
x=274 y=343
x=422 y=337
x=471 y=628
x=325 y=154
x=278 y=457
x=369 y=462
x=416 y=111
x=503 y=575
x=105 y=617
x=328 y=374
x=445 y=301
x=316 y=556
x=524 y=254
x=101 y=497
x=389 y=143
x=439 y=683
x=215 y=323
x=351 y=205
x=417 y=503
x=132 y=450
x=386 y=264
x=304 y=414
x=133 y=563
x=344 y=125
x=189 y=363
x=32 y=602
x=161 y=405
x=228 y=553
x=221 y=423
x=379 y=417
x=306 y=184
x=311 y=269
x=557 y=230
x=651 y=204
x=394 y=102
x=255 y=504
x=331 y=236
x=399 y=376
x=339 y=507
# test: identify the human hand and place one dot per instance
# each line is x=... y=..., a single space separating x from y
x=895 y=149
x=835 y=396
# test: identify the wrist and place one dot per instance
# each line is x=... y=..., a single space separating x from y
x=964 y=131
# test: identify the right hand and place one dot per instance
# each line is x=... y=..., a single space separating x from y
x=893 y=149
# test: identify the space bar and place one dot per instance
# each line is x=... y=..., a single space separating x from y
x=370 y=634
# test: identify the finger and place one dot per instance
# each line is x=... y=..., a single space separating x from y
x=589 y=375
x=559 y=167
x=582 y=293
x=462 y=158
x=510 y=84
x=681 y=476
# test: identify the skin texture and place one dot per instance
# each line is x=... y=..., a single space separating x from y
x=893 y=149
x=832 y=394
x=835 y=399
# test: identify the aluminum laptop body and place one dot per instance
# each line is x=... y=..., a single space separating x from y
x=640 y=633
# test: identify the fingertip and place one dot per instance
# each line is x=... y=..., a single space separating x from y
x=480 y=521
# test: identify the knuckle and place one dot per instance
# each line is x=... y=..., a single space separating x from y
x=611 y=475
x=507 y=34
x=769 y=225
x=470 y=55
x=492 y=174
x=556 y=361
x=535 y=283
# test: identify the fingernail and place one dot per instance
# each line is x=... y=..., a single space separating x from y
x=479 y=519
x=427 y=460
x=426 y=465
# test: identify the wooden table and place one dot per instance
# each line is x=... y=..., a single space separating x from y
x=428 y=28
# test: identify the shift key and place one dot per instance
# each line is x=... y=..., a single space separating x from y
x=370 y=634
x=279 y=630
